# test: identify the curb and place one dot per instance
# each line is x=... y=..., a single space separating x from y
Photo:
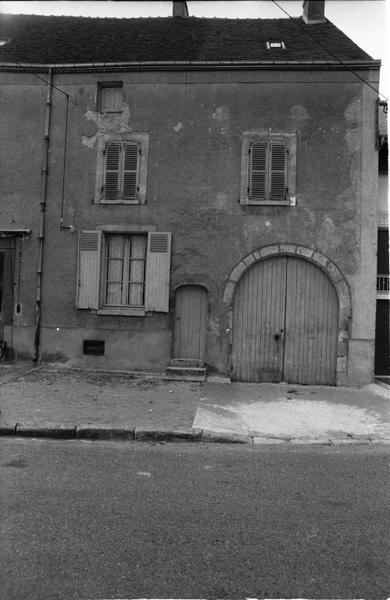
x=96 y=431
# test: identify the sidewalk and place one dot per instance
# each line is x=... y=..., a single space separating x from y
x=55 y=401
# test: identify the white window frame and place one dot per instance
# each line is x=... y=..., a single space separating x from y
x=252 y=137
x=142 y=140
x=125 y=280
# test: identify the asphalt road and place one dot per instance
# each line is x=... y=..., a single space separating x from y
x=132 y=520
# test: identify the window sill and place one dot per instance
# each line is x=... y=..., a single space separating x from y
x=122 y=312
x=267 y=203
x=119 y=201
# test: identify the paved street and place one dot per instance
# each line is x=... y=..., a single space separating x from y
x=128 y=520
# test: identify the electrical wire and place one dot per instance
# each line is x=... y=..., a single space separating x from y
x=35 y=74
x=297 y=22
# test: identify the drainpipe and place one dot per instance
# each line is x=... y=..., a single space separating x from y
x=41 y=236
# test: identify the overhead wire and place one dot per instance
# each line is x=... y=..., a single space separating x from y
x=35 y=74
x=309 y=33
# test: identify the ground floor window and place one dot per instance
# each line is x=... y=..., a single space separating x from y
x=124 y=270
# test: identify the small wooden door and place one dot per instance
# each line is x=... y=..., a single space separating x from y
x=285 y=324
x=190 y=322
x=7 y=269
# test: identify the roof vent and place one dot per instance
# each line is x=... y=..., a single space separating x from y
x=180 y=9
x=272 y=45
x=3 y=41
x=314 y=11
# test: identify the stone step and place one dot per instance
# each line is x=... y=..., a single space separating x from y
x=185 y=373
x=187 y=362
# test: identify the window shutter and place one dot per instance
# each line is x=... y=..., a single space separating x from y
x=111 y=176
x=258 y=167
x=130 y=170
x=89 y=269
x=278 y=171
x=158 y=261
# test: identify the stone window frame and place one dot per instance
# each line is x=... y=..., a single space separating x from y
x=250 y=137
x=330 y=269
x=109 y=85
x=139 y=138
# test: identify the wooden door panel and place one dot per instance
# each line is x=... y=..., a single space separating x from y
x=190 y=322
x=311 y=325
x=258 y=317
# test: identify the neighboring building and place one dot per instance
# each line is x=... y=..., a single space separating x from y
x=207 y=194
x=382 y=335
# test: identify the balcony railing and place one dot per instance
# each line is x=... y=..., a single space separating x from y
x=382 y=284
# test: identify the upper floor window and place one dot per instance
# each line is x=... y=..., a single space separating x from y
x=122 y=168
x=268 y=165
x=110 y=96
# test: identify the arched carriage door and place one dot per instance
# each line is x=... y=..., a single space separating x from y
x=189 y=340
x=285 y=323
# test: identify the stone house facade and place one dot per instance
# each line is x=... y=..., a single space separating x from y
x=184 y=191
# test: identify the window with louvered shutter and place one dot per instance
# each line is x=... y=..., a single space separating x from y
x=269 y=170
x=112 y=171
x=258 y=169
x=130 y=170
x=121 y=171
x=277 y=171
x=122 y=168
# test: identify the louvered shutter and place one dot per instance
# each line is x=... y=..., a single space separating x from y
x=89 y=269
x=130 y=170
x=278 y=165
x=258 y=170
x=158 y=261
x=112 y=165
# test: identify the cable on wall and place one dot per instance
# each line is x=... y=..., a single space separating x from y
x=297 y=22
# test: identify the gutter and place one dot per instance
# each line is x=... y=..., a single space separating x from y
x=41 y=236
x=194 y=64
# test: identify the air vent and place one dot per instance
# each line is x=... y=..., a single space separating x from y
x=94 y=347
x=275 y=45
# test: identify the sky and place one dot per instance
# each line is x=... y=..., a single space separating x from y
x=366 y=22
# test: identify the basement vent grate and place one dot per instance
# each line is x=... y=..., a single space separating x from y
x=94 y=347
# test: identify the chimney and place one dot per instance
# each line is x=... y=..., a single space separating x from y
x=314 y=11
x=180 y=9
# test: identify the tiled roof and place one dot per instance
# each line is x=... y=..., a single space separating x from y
x=64 y=40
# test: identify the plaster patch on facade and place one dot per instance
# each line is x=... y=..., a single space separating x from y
x=213 y=324
x=221 y=113
x=220 y=201
x=353 y=139
x=299 y=114
x=326 y=232
x=178 y=127
x=107 y=123
x=353 y=112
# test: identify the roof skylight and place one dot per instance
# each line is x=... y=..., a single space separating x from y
x=272 y=45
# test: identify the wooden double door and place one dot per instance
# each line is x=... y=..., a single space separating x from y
x=285 y=324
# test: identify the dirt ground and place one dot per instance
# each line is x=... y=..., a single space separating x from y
x=60 y=395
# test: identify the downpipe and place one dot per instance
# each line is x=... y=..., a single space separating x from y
x=41 y=236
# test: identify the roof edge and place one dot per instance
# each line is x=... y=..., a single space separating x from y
x=180 y=65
